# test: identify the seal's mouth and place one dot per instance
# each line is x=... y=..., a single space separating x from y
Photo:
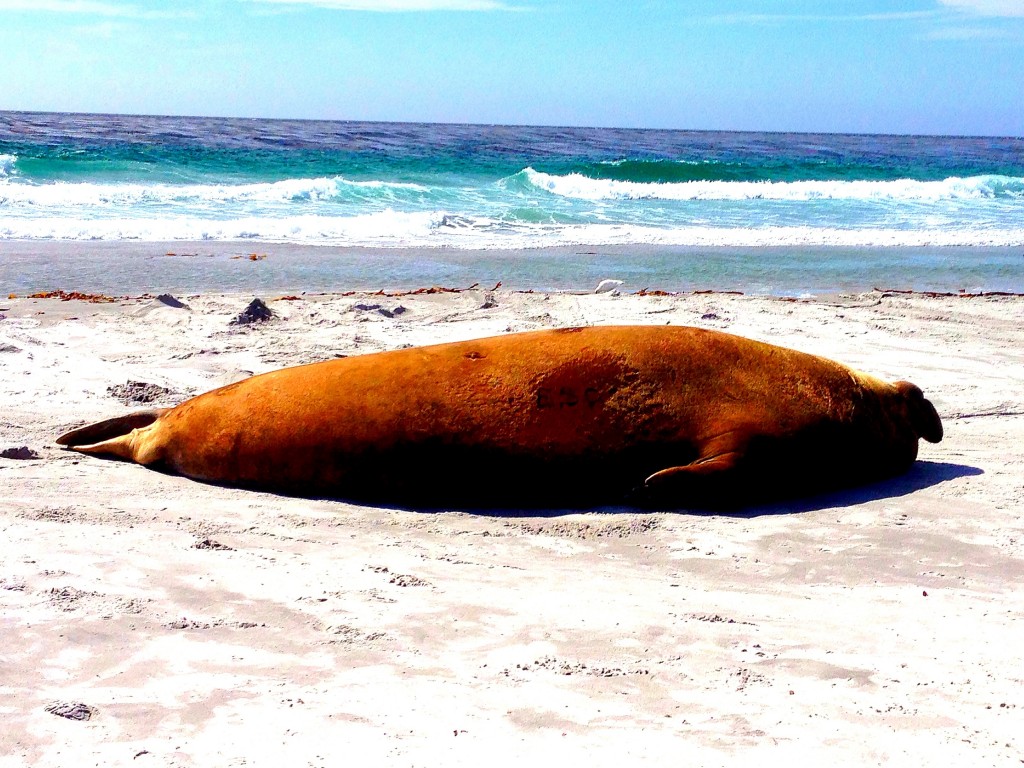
x=923 y=415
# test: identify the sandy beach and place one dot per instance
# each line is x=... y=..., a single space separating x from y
x=150 y=620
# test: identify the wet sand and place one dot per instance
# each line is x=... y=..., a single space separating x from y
x=132 y=267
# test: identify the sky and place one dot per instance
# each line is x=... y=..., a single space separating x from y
x=867 y=66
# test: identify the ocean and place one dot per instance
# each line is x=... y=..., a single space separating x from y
x=98 y=202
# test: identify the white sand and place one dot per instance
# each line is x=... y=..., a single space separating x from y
x=325 y=633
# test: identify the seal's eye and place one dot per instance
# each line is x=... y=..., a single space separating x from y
x=909 y=390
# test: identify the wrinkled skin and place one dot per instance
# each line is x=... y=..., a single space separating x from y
x=653 y=416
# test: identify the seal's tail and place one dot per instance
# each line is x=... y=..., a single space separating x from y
x=110 y=437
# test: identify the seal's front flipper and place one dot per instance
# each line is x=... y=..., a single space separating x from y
x=712 y=483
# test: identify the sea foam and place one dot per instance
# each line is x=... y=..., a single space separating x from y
x=385 y=228
x=581 y=187
x=63 y=194
x=395 y=229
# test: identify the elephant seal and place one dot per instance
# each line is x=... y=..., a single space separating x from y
x=650 y=416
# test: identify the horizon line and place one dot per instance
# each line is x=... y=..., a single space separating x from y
x=484 y=124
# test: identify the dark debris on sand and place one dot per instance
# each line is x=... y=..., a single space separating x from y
x=171 y=301
x=211 y=544
x=140 y=392
x=21 y=453
x=398 y=310
x=256 y=312
x=71 y=710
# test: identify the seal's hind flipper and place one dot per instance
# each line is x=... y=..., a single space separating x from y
x=101 y=431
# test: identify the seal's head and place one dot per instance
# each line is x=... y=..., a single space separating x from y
x=888 y=422
x=920 y=412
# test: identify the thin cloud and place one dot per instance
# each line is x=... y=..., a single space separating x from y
x=987 y=7
x=780 y=18
x=958 y=34
x=86 y=8
x=398 y=6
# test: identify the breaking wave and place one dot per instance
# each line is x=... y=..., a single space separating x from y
x=580 y=187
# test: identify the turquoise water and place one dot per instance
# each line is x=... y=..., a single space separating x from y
x=493 y=190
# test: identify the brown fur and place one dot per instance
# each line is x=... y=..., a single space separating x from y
x=670 y=416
